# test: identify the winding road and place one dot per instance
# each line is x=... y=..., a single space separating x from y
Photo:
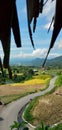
x=9 y=113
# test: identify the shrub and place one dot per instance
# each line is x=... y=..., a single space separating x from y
x=26 y=128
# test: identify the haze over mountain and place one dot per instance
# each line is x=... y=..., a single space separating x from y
x=37 y=62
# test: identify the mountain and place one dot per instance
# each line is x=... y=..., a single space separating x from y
x=20 y=61
x=55 y=62
x=37 y=62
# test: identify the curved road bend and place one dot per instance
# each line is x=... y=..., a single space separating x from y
x=9 y=113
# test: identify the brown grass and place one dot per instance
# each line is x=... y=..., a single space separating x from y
x=48 y=109
x=10 y=90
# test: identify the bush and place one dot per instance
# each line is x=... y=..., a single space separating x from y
x=26 y=128
x=58 y=82
x=27 y=114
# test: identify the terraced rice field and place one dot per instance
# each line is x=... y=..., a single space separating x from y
x=13 y=91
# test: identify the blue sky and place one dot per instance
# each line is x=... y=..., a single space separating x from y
x=41 y=37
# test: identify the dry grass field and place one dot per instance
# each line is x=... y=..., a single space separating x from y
x=6 y=90
x=14 y=91
x=48 y=108
x=9 y=93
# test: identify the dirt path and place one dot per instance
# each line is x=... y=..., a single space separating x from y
x=9 y=113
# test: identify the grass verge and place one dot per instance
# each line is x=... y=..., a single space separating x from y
x=27 y=115
x=47 y=108
x=58 y=84
x=58 y=127
x=9 y=98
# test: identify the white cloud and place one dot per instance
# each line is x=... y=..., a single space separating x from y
x=58 y=45
x=49 y=10
x=53 y=55
x=48 y=13
x=15 y=49
x=48 y=25
x=38 y=53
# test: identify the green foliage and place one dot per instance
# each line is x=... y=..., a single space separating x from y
x=17 y=125
x=42 y=127
x=26 y=128
x=27 y=114
x=9 y=98
x=47 y=83
x=2 y=80
x=45 y=127
x=43 y=76
x=58 y=127
x=58 y=82
x=18 y=79
x=27 y=73
x=59 y=73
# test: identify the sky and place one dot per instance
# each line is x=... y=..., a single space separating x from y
x=41 y=36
